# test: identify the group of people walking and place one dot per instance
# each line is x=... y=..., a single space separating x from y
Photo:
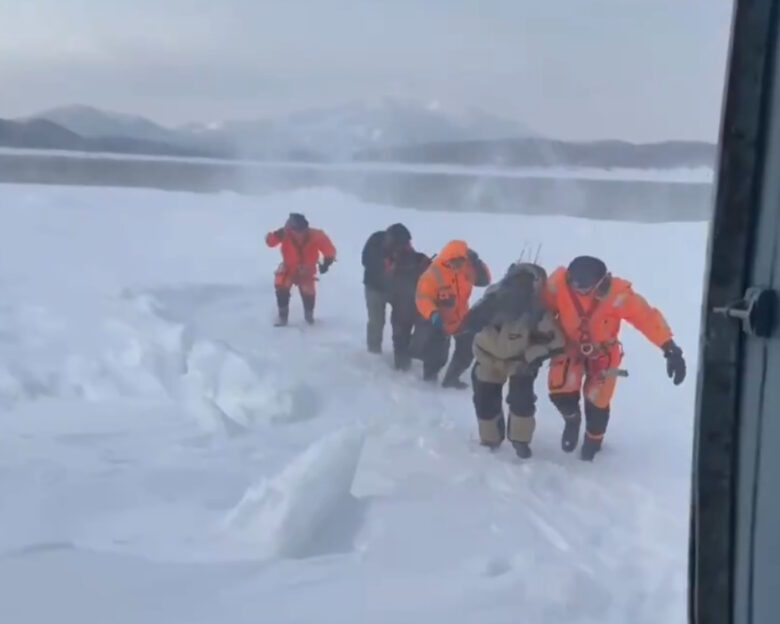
x=570 y=318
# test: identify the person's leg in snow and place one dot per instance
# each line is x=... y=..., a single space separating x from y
x=402 y=319
x=487 y=389
x=436 y=351
x=565 y=386
x=596 y=420
x=282 y=284
x=308 y=297
x=462 y=358
x=598 y=392
x=283 y=306
x=568 y=405
x=522 y=409
x=376 y=303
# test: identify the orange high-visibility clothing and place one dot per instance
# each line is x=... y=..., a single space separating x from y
x=603 y=312
x=300 y=254
x=446 y=289
x=591 y=323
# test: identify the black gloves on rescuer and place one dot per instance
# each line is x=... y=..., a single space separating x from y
x=675 y=363
x=325 y=265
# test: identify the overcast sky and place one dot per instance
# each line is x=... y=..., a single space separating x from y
x=632 y=69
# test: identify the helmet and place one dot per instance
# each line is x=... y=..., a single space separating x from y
x=297 y=222
x=586 y=273
x=398 y=234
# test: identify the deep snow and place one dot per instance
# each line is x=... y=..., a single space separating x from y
x=167 y=456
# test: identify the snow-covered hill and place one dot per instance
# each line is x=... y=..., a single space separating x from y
x=342 y=131
x=166 y=456
x=335 y=132
x=94 y=123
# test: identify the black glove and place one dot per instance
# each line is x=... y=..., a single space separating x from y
x=473 y=257
x=325 y=265
x=279 y=233
x=675 y=363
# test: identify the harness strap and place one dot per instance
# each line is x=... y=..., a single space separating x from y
x=585 y=315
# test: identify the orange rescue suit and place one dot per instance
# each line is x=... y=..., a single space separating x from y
x=446 y=289
x=300 y=254
x=591 y=324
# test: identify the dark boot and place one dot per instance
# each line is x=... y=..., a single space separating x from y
x=492 y=431
x=283 y=317
x=596 y=421
x=402 y=361
x=568 y=405
x=520 y=432
x=590 y=446
x=308 y=308
x=283 y=304
x=571 y=432
x=450 y=382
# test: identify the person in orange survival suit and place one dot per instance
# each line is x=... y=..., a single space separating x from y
x=442 y=297
x=301 y=249
x=590 y=304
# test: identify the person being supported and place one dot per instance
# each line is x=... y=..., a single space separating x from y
x=392 y=268
x=301 y=249
x=590 y=304
x=515 y=334
x=442 y=298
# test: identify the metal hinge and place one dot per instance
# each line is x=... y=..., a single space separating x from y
x=757 y=311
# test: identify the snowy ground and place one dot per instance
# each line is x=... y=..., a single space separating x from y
x=166 y=456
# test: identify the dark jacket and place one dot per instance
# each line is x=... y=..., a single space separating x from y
x=394 y=269
x=374 y=261
x=403 y=268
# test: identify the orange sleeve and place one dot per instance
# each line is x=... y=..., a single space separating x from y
x=325 y=245
x=425 y=298
x=647 y=319
x=272 y=240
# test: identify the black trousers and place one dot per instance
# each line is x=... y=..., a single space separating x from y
x=435 y=350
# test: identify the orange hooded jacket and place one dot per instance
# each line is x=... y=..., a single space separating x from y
x=445 y=289
x=301 y=250
x=603 y=312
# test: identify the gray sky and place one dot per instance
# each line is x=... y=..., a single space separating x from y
x=632 y=69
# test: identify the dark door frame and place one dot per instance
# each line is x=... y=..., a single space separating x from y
x=732 y=234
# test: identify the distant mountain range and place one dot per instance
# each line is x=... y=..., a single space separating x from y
x=47 y=135
x=396 y=130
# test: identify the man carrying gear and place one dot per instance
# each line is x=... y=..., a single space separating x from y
x=301 y=249
x=590 y=304
x=514 y=335
x=392 y=268
x=443 y=294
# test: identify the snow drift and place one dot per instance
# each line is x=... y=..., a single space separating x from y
x=162 y=444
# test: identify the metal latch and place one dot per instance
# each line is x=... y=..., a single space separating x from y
x=757 y=311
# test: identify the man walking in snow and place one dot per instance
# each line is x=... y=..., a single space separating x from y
x=590 y=305
x=515 y=334
x=301 y=250
x=443 y=294
x=392 y=268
